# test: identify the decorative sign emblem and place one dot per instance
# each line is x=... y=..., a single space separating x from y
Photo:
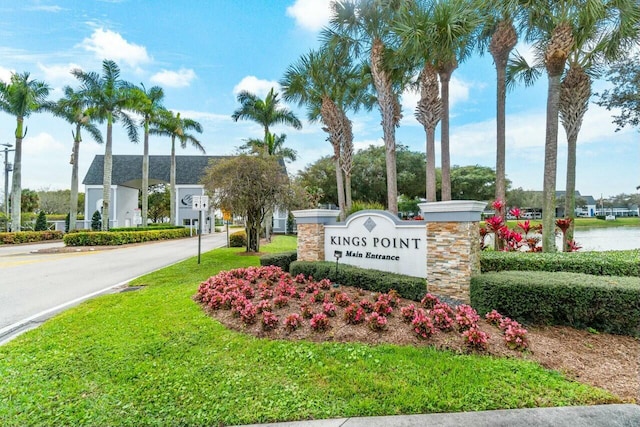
x=369 y=224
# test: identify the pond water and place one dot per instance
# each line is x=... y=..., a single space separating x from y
x=606 y=239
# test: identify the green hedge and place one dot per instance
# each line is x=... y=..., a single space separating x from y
x=605 y=303
x=282 y=259
x=408 y=287
x=238 y=239
x=29 y=236
x=113 y=238
x=149 y=228
x=610 y=263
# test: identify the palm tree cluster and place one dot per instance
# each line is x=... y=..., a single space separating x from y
x=100 y=98
x=372 y=50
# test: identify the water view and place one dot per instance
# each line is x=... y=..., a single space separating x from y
x=606 y=239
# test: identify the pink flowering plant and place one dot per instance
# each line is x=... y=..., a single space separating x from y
x=493 y=317
x=292 y=322
x=342 y=299
x=354 y=314
x=377 y=322
x=475 y=338
x=466 y=317
x=442 y=316
x=269 y=321
x=422 y=325
x=319 y=322
x=408 y=313
x=429 y=301
x=329 y=309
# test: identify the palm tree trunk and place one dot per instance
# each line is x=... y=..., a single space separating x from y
x=339 y=182
x=429 y=113
x=501 y=96
x=445 y=161
x=73 y=198
x=550 y=166
x=172 y=181
x=16 y=181
x=431 y=164
x=570 y=194
x=347 y=191
x=106 y=180
x=145 y=176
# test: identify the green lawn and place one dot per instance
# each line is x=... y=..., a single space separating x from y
x=153 y=357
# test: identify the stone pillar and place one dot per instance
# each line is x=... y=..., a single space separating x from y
x=453 y=246
x=310 y=224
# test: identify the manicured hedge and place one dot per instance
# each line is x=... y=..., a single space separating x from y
x=149 y=228
x=605 y=303
x=610 y=263
x=238 y=239
x=112 y=238
x=282 y=259
x=408 y=287
x=29 y=236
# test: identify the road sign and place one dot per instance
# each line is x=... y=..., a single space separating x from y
x=204 y=203
x=196 y=203
x=226 y=215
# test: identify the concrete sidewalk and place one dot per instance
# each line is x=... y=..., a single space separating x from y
x=568 y=416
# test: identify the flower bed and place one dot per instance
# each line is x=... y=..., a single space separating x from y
x=268 y=302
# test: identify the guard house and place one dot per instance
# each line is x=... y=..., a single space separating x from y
x=126 y=183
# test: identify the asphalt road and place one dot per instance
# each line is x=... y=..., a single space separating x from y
x=35 y=285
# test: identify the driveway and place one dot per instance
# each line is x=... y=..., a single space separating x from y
x=39 y=280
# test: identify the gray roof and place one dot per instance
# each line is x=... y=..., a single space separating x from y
x=589 y=200
x=127 y=169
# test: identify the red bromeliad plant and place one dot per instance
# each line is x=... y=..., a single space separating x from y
x=564 y=224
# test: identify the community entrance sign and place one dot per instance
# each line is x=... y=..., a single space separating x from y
x=379 y=240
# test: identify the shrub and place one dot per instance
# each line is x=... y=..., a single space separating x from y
x=429 y=301
x=96 y=221
x=329 y=309
x=466 y=317
x=29 y=236
x=373 y=280
x=67 y=221
x=422 y=324
x=292 y=322
x=281 y=301
x=238 y=239
x=319 y=322
x=408 y=313
x=475 y=338
x=41 y=222
x=605 y=303
x=358 y=205
x=610 y=263
x=282 y=260
x=108 y=238
x=307 y=311
x=515 y=336
x=151 y=227
x=354 y=314
x=264 y=305
x=493 y=317
x=377 y=322
x=269 y=321
x=342 y=299
x=442 y=316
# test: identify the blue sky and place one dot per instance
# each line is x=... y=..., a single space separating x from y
x=203 y=52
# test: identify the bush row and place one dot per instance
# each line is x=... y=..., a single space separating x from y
x=29 y=236
x=148 y=228
x=111 y=238
x=610 y=263
x=282 y=259
x=605 y=303
x=408 y=287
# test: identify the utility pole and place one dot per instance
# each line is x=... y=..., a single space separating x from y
x=7 y=167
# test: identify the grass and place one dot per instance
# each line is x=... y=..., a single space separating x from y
x=153 y=357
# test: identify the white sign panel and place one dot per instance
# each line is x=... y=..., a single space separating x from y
x=195 y=203
x=379 y=241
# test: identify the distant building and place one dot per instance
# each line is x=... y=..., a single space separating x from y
x=126 y=183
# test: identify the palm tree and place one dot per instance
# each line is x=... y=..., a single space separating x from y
x=364 y=26
x=21 y=97
x=329 y=85
x=149 y=104
x=74 y=109
x=267 y=112
x=174 y=127
x=453 y=27
x=499 y=35
x=109 y=98
x=272 y=145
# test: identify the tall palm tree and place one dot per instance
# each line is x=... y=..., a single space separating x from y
x=329 y=85
x=149 y=104
x=364 y=27
x=21 y=97
x=73 y=108
x=453 y=28
x=499 y=35
x=110 y=97
x=174 y=126
x=272 y=145
x=267 y=112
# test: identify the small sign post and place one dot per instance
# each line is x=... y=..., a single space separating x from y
x=226 y=217
x=200 y=203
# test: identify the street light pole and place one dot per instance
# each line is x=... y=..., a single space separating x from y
x=6 y=179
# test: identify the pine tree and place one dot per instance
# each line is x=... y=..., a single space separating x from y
x=96 y=221
x=41 y=222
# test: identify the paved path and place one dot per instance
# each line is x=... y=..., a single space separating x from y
x=569 y=416
x=34 y=284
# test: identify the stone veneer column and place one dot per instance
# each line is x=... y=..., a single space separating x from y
x=453 y=246
x=310 y=224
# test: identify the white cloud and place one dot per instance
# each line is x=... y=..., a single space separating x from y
x=58 y=73
x=42 y=144
x=310 y=15
x=204 y=116
x=5 y=74
x=43 y=8
x=107 y=44
x=180 y=78
x=256 y=86
x=365 y=143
